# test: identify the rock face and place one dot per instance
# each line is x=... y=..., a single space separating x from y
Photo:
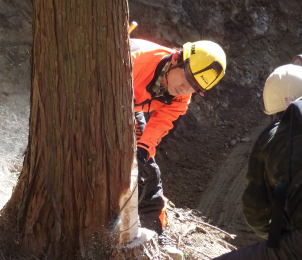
x=257 y=36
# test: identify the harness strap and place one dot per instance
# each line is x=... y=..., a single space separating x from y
x=277 y=216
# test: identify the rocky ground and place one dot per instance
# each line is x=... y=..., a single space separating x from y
x=204 y=162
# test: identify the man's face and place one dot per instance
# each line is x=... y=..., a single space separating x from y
x=297 y=61
x=177 y=83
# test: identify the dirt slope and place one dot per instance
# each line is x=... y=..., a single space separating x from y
x=221 y=200
x=15 y=47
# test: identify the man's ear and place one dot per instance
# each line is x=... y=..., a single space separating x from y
x=175 y=58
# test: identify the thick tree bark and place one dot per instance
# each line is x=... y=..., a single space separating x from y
x=81 y=140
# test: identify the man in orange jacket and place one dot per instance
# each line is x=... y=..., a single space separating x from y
x=163 y=81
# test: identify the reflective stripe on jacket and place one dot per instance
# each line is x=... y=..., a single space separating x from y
x=146 y=57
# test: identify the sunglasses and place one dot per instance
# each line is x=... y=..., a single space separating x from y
x=215 y=66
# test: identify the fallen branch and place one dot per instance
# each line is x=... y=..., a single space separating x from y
x=224 y=243
x=196 y=250
x=213 y=227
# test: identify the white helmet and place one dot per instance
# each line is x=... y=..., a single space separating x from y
x=282 y=87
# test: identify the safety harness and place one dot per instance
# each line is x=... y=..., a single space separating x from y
x=158 y=92
x=294 y=110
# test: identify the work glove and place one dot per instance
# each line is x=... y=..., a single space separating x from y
x=144 y=174
x=142 y=155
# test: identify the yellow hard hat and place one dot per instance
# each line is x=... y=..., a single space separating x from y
x=282 y=87
x=204 y=63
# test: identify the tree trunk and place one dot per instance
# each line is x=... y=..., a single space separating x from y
x=76 y=173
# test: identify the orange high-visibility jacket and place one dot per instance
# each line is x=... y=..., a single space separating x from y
x=146 y=57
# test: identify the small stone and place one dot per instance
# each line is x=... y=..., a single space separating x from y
x=245 y=139
x=233 y=142
x=173 y=252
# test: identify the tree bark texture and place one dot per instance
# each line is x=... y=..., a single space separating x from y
x=81 y=138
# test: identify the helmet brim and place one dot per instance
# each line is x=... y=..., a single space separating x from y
x=191 y=79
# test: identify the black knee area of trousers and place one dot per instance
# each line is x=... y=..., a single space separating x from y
x=152 y=203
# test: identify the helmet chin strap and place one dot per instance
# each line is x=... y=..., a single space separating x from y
x=172 y=67
x=167 y=73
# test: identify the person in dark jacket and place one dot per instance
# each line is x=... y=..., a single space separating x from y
x=268 y=168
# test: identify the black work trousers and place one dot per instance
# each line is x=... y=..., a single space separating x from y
x=290 y=249
x=152 y=200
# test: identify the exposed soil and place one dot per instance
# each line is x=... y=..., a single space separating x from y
x=15 y=48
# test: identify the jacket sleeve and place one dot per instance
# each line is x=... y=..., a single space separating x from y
x=161 y=122
x=256 y=199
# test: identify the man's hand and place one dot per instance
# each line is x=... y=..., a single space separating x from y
x=142 y=155
x=144 y=174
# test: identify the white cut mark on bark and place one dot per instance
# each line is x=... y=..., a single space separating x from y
x=129 y=205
